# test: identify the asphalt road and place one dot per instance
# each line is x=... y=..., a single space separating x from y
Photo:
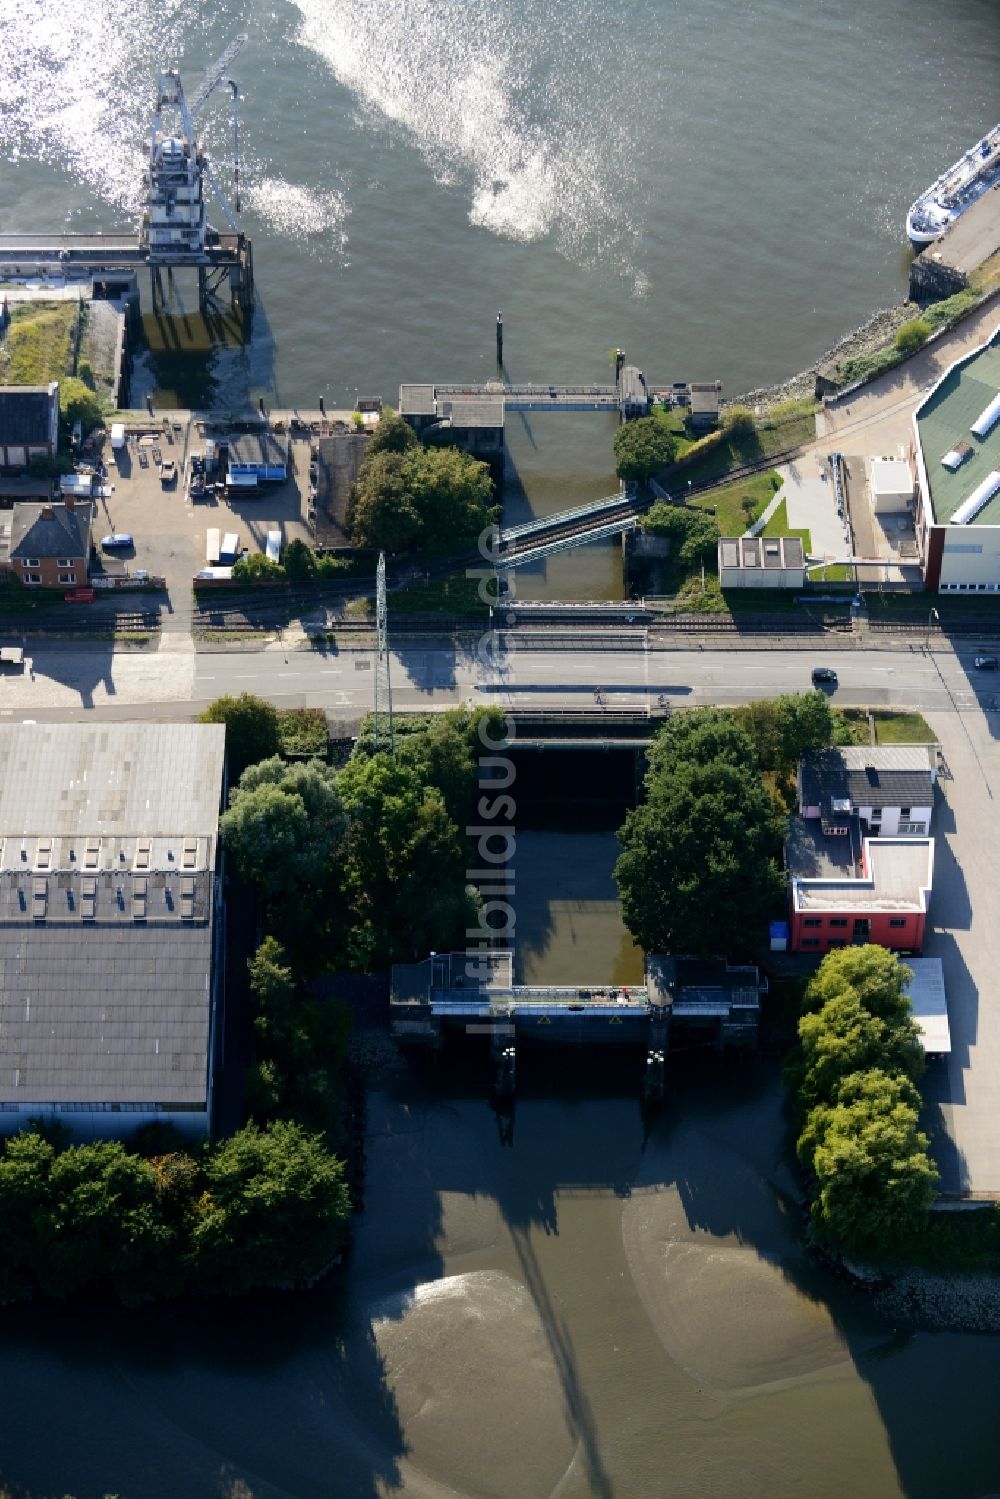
x=67 y=680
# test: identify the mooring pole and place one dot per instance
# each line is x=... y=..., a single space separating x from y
x=499 y=340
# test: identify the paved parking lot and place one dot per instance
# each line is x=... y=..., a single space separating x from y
x=170 y=530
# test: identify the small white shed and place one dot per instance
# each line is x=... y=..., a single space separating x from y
x=891 y=483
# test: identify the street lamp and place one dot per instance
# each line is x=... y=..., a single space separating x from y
x=932 y=619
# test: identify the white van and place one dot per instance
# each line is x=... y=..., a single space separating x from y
x=213 y=550
x=273 y=549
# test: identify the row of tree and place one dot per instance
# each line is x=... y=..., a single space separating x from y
x=700 y=867
x=853 y=1081
x=409 y=496
x=264 y=1208
x=365 y=866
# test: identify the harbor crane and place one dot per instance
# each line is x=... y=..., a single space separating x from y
x=175 y=230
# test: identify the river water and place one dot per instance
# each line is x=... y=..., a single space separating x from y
x=590 y=1311
x=719 y=187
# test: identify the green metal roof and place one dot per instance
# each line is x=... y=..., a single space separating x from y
x=945 y=419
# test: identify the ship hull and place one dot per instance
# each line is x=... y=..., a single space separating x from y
x=963 y=184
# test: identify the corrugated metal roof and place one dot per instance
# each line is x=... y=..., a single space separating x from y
x=104 y=1014
x=928 y=1001
x=149 y=779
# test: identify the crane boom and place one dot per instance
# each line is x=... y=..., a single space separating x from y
x=216 y=73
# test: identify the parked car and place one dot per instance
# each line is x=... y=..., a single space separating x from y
x=824 y=676
x=986 y=663
x=168 y=471
x=118 y=540
x=80 y=596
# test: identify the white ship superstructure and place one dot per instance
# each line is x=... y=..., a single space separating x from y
x=175 y=222
x=955 y=190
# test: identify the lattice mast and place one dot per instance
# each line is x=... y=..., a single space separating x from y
x=384 y=738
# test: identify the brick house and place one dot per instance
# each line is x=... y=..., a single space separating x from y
x=29 y=423
x=50 y=543
x=846 y=889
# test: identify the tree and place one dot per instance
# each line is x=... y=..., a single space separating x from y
x=301 y=1044
x=874 y=974
x=251 y=729
x=843 y=1037
x=276 y=1212
x=381 y=512
x=392 y=435
x=106 y=1225
x=783 y=729
x=403 y=875
x=445 y=753
x=693 y=534
x=284 y=826
x=874 y=1178
x=699 y=736
x=452 y=493
x=25 y=1211
x=434 y=497
x=698 y=872
x=78 y=404
x=643 y=448
x=300 y=562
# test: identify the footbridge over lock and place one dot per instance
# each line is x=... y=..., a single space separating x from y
x=473 y=993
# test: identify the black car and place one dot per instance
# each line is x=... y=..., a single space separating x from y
x=824 y=676
x=986 y=663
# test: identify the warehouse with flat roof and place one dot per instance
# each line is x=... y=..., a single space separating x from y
x=956 y=456
x=109 y=920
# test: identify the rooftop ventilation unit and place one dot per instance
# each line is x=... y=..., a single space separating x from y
x=978 y=499
x=987 y=419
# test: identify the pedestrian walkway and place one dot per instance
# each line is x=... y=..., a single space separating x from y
x=762 y=520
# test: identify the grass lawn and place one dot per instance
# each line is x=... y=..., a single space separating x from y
x=455 y=595
x=901 y=728
x=736 y=506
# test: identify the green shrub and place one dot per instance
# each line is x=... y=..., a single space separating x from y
x=912 y=336
x=257 y=567
x=941 y=314
x=738 y=421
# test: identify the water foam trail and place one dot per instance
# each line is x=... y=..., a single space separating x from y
x=77 y=89
x=512 y=101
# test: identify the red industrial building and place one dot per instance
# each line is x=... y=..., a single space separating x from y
x=845 y=889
